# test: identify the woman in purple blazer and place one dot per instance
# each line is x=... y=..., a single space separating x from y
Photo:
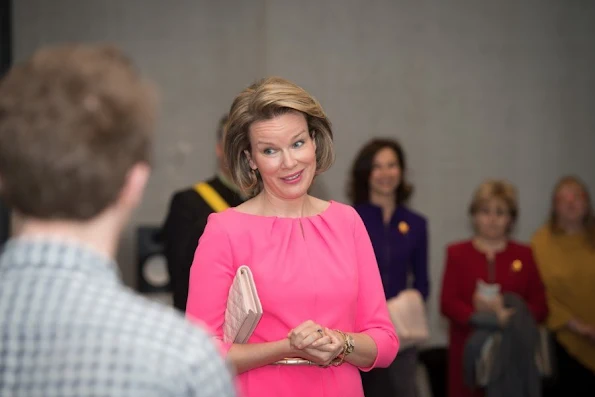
x=379 y=191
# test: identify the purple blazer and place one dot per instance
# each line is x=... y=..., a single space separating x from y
x=401 y=248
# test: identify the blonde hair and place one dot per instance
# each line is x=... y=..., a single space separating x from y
x=265 y=100
x=589 y=219
x=496 y=189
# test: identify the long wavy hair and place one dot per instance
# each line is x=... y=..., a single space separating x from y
x=359 y=186
x=588 y=219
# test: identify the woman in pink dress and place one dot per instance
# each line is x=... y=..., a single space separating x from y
x=312 y=260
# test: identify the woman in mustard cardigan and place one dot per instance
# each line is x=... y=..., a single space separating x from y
x=565 y=252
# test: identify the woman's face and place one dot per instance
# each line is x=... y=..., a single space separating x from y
x=386 y=173
x=492 y=219
x=570 y=203
x=284 y=154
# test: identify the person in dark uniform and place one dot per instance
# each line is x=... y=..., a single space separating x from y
x=187 y=218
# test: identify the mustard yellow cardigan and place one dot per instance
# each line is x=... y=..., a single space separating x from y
x=567 y=266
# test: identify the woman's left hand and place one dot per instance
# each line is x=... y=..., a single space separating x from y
x=326 y=349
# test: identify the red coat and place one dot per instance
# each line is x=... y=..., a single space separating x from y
x=515 y=271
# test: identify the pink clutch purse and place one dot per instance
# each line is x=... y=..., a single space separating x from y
x=243 y=310
x=408 y=314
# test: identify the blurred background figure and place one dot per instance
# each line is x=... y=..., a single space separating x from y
x=187 y=217
x=480 y=270
x=379 y=191
x=565 y=253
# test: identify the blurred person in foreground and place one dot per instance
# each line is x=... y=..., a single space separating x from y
x=76 y=127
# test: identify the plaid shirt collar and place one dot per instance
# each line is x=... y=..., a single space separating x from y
x=54 y=252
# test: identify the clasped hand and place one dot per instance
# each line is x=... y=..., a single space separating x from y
x=583 y=329
x=316 y=343
x=495 y=305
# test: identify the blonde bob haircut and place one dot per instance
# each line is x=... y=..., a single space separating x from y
x=496 y=189
x=264 y=100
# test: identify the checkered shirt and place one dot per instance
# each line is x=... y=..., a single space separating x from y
x=68 y=327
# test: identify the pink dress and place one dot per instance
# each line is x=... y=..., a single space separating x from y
x=319 y=268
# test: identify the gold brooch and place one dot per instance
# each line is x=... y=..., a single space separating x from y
x=517 y=265
x=403 y=227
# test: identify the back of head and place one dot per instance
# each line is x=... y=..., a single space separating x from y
x=74 y=119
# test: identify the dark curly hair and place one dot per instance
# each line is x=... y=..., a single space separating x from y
x=359 y=188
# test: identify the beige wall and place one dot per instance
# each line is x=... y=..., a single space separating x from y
x=473 y=89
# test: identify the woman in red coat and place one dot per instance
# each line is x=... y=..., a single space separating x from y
x=489 y=257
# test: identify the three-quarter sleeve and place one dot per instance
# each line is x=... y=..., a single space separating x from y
x=452 y=304
x=211 y=276
x=372 y=316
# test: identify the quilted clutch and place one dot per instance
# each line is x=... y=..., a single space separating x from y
x=243 y=310
x=408 y=314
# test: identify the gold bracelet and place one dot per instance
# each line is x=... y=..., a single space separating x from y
x=348 y=347
x=349 y=343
